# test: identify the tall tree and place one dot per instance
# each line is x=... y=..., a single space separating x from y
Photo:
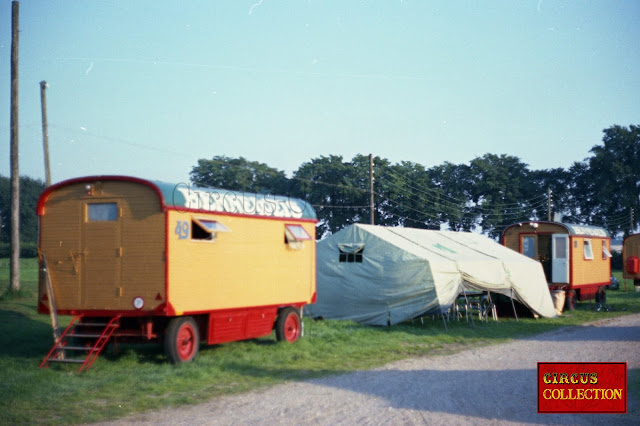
x=612 y=181
x=561 y=183
x=239 y=174
x=30 y=190
x=454 y=183
x=501 y=192
x=338 y=190
x=408 y=197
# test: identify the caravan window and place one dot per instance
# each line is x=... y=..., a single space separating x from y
x=588 y=251
x=529 y=247
x=561 y=248
x=605 y=253
x=205 y=229
x=295 y=236
x=296 y=233
x=350 y=253
x=102 y=212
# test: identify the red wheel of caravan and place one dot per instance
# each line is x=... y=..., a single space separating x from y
x=182 y=340
x=288 y=325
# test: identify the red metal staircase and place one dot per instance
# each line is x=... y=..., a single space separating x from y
x=85 y=338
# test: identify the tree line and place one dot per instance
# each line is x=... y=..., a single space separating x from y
x=487 y=194
x=30 y=190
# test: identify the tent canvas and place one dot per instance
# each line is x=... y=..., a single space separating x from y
x=381 y=275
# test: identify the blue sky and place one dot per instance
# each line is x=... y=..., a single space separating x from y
x=146 y=88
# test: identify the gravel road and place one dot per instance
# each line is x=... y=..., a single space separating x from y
x=488 y=385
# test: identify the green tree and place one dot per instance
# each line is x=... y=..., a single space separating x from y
x=561 y=183
x=610 y=180
x=454 y=183
x=30 y=190
x=239 y=174
x=338 y=190
x=407 y=197
x=502 y=192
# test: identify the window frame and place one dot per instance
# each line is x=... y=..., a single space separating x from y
x=534 y=241
x=203 y=223
x=292 y=236
x=290 y=227
x=606 y=254
x=350 y=253
x=112 y=215
x=588 y=254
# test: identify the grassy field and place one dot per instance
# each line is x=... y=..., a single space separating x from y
x=138 y=378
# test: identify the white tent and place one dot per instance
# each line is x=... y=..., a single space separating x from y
x=379 y=275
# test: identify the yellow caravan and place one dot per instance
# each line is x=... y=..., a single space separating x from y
x=631 y=258
x=576 y=258
x=132 y=258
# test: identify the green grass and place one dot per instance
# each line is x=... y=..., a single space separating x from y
x=138 y=378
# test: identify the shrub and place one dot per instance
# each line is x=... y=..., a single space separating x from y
x=27 y=250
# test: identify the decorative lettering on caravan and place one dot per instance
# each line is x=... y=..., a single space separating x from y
x=589 y=231
x=240 y=203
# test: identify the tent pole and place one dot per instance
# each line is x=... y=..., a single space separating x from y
x=513 y=305
x=467 y=308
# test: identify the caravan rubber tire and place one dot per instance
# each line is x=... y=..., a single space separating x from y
x=288 y=325
x=572 y=300
x=181 y=340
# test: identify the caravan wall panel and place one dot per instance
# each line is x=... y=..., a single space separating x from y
x=249 y=265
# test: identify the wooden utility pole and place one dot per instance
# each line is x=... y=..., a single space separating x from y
x=371 y=203
x=549 y=204
x=45 y=132
x=15 y=173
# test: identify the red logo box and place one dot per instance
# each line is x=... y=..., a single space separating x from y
x=582 y=387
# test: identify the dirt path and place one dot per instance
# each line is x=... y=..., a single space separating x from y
x=489 y=385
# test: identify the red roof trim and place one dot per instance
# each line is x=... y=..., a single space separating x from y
x=45 y=194
x=543 y=222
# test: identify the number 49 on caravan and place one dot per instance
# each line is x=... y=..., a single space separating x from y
x=182 y=229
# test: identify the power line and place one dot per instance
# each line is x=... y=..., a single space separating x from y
x=479 y=209
x=338 y=207
x=453 y=199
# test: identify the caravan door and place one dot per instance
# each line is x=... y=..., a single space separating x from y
x=560 y=258
x=101 y=255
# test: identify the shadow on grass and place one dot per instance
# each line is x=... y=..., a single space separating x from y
x=23 y=336
x=147 y=353
x=154 y=352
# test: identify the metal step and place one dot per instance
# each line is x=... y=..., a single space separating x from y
x=93 y=336
x=97 y=335
x=74 y=348
x=67 y=360
x=93 y=324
